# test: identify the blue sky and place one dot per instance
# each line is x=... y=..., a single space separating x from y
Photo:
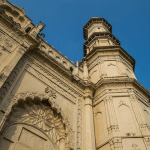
x=64 y=19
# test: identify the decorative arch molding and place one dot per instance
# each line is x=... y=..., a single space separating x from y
x=123 y=103
x=41 y=111
x=111 y=64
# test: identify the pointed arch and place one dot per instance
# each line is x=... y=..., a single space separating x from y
x=126 y=118
x=41 y=112
x=99 y=125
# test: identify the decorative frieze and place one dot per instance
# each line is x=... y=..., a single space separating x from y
x=7 y=42
x=79 y=125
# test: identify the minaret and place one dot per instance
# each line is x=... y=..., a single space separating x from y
x=120 y=103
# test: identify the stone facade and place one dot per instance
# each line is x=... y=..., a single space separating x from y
x=49 y=103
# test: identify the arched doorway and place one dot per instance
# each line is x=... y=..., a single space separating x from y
x=34 y=125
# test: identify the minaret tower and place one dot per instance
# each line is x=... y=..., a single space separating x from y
x=120 y=103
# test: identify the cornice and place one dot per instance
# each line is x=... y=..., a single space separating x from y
x=106 y=49
x=99 y=34
x=73 y=78
x=127 y=80
x=95 y=20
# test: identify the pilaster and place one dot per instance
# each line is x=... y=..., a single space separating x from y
x=116 y=144
x=138 y=112
x=112 y=124
x=89 y=136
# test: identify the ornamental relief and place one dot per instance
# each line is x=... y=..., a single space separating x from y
x=7 y=42
x=41 y=111
x=38 y=114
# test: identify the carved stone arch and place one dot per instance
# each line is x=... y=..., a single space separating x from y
x=30 y=106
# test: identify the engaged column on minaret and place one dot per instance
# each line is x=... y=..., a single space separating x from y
x=89 y=136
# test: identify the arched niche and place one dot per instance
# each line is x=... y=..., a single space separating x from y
x=43 y=48
x=58 y=58
x=126 y=118
x=36 y=119
x=51 y=53
x=99 y=126
x=112 y=70
x=65 y=64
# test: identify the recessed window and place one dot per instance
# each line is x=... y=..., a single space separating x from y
x=28 y=29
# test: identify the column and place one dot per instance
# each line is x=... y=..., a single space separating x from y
x=85 y=70
x=89 y=136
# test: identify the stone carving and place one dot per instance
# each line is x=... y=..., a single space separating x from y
x=6 y=86
x=37 y=118
x=52 y=93
x=38 y=114
x=112 y=123
x=116 y=144
x=8 y=43
x=37 y=29
x=15 y=24
x=79 y=126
